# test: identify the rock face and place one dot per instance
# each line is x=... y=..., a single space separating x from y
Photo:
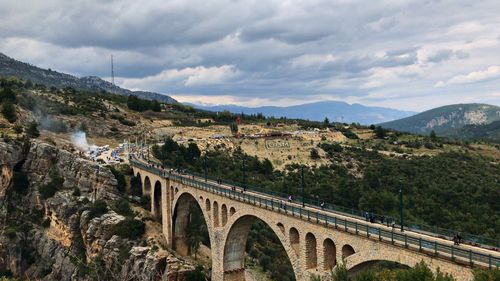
x=57 y=238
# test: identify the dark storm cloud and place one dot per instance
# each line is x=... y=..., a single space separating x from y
x=384 y=53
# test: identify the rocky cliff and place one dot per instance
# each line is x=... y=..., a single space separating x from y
x=59 y=236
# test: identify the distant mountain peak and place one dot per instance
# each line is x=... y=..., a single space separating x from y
x=335 y=111
x=11 y=67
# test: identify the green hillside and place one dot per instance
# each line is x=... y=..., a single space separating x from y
x=449 y=120
x=489 y=131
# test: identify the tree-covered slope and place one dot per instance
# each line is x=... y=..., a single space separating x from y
x=446 y=120
x=489 y=132
x=11 y=67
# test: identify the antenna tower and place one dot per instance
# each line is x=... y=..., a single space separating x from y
x=112 y=71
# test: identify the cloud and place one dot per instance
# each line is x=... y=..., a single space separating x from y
x=286 y=51
x=188 y=77
x=312 y=60
x=492 y=72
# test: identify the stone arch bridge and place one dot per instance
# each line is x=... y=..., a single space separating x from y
x=315 y=240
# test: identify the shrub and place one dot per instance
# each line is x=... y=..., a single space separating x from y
x=196 y=275
x=130 y=228
x=76 y=192
x=487 y=275
x=9 y=111
x=18 y=129
x=98 y=209
x=122 y=207
x=120 y=179
x=32 y=130
x=314 y=154
x=48 y=190
x=350 y=135
x=145 y=202
x=126 y=122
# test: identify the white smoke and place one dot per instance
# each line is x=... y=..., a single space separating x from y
x=79 y=139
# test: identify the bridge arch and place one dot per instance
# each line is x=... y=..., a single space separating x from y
x=294 y=239
x=224 y=214
x=181 y=218
x=347 y=250
x=311 y=251
x=216 y=214
x=139 y=186
x=207 y=205
x=329 y=254
x=147 y=186
x=236 y=234
x=360 y=259
x=157 y=201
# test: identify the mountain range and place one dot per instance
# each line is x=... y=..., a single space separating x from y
x=462 y=121
x=11 y=67
x=473 y=120
x=335 y=111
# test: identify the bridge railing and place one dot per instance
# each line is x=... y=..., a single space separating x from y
x=375 y=232
x=439 y=232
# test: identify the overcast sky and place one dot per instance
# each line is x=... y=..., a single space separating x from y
x=411 y=55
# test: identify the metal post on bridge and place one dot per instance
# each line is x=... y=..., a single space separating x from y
x=244 y=174
x=205 y=164
x=303 y=185
x=401 y=220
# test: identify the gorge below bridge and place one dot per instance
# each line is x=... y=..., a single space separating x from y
x=314 y=240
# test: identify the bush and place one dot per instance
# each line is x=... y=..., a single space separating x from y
x=145 y=202
x=9 y=111
x=121 y=184
x=130 y=228
x=48 y=190
x=7 y=94
x=196 y=275
x=76 y=192
x=98 y=209
x=314 y=154
x=126 y=122
x=487 y=275
x=32 y=130
x=122 y=207
x=350 y=135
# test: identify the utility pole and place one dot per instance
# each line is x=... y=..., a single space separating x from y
x=205 y=162
x=401 y=220
x=244 y=174
x=303 y=185
x=112 y=71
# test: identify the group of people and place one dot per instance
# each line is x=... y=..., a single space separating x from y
x=371 y=217
x=457 y=239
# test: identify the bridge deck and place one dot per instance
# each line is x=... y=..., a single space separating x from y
x=433 y=245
